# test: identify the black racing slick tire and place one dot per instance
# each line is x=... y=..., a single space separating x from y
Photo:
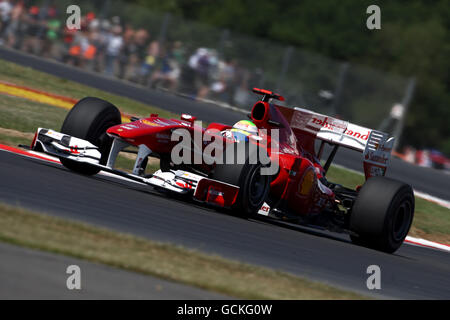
x=253 y=186
x=89 y=119
x=382 y=214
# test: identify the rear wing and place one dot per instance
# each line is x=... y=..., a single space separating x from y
x=376 y=146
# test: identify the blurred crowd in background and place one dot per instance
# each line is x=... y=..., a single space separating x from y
x=425 y=158
x=115 y=48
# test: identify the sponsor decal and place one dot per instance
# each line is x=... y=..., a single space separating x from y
x=159 y=122
x=150 y=123
x=191 y=176
x=74 y=149
x=183 y=184
x=373 y=170
x=129 y=126
x=376 y=158
x=332 y=124
x=55 y=135
x=162 y=123
x=377 y=171
x=339 y=126
x=264 y=210
x=357 y=134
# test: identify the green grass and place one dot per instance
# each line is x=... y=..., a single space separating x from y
x=26 y=116
x=210 y=272
x=432 y=219
x=29 y=77
x=345 y=177
x=127 y=163
x=13 y=141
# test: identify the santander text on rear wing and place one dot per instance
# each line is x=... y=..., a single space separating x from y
x=376 y=146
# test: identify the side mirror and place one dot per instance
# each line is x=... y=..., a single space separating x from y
x=188 y=118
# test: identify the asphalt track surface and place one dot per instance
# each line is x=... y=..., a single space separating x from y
x=412 y=273
x=427 y=180
x=31 y=274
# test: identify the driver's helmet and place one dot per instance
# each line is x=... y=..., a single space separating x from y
x=243 y=129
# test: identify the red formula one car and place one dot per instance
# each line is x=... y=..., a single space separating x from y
x=267 y=165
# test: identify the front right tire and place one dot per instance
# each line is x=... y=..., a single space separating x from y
x=253 y=186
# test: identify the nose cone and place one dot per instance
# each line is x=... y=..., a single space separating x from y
x=127 y=130
x=118 y=130
x=139 y=129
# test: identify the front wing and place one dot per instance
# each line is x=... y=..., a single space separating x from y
x=199 y=187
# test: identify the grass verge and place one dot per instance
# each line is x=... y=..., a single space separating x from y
x=43 y=232
x=29 y=77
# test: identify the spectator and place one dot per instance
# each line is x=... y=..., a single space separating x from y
x=113 y=47
x=169 y=72
x=128 y=49
x=68 y=39
x=5 y=16
x=52 y=35
x=12 y=31
x=201 y=62
x=89 y=52
x=150 y=61
x=94 y=41
x=225 y=83
x=178 y=53
x=101 y=30
x=137 y=58
x=32 y=21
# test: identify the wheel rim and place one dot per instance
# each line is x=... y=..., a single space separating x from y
x=402 y=221
x=257 y=186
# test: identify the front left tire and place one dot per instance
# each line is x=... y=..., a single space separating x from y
x=89 y=119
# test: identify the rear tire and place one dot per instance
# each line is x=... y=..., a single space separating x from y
x=382 y=214
x=89 y=119
x=254 y=187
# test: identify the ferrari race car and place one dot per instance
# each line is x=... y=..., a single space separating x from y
x=266 y=166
